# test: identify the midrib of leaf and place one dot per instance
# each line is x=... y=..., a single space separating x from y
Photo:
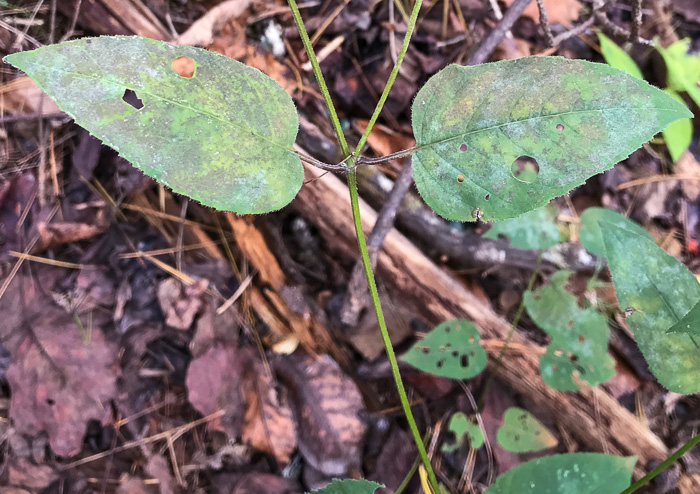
x=193 y=109
x=509 y=122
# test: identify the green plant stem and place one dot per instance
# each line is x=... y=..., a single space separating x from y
x=663 y=466
x=392 y=77
x=355 y=204
x=319 y=77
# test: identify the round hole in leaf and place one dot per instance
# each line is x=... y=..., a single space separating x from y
x=487 y=197
x=132 y=100
x=455 y=353
x=460 y=178
x=464 y=361
x=440 y=363
x=560 y=127
x=463 y=147
x=184 y=67
x=525 y=169
x=426 y=349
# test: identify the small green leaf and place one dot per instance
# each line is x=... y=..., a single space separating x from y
x=463 y=430
x=451 y=350
x=579 y=343
x=349 y=486
x=689 y=324
x=572 y=473
x=683 y=70
x=222 y=136
x=479 y=129
x=589 y=231
x=661 y=291
x=535 y=229
x=617 y=57
x=521 y=432
x=679 y=134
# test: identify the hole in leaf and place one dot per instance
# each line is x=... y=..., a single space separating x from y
x=463 y=147
x=460 y=178
x=487 y=197
x=50 y=402
x=560 y=127
x=184 y=67
x=132 y=100
x=464 y=361
x=455 y=353
x=581 y=338
x=440 y=363
x=426 y=349
x=516 y=437
x=525 y=169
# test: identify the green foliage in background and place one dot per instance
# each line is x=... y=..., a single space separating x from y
x=521 y=432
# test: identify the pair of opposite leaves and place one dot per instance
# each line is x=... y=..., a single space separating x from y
x=225 y=136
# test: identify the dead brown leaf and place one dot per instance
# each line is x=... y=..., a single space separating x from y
x=214 y=383
x=327 y=404
x=180 y=303
x=267 y=424
x=558 y=11
x=59 y=381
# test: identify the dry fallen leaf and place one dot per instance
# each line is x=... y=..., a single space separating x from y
x=327 y=404
x=214 y=383
x=180 y=303
x=558 y=11
x=59 y=382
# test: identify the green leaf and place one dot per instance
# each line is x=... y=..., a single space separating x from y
x=349 y=487
x=572 y=473
x=521 y=432
x=661 y=291
x=679 y=134
x=690 y=323
x=536 y=229
x=464 y=429
x=579 y=344
x=451 y=350
x=589 y=231
x=222 y=137
x=617 y=57
x=575 y=118
x=683 y=70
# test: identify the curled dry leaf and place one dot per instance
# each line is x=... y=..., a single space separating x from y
x=267 y=424
x=327 y=403
x=59 y=382
x=179 y=303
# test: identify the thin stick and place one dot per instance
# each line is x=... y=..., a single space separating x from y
x=636 y=20
x=483 y=52
x=544 y=23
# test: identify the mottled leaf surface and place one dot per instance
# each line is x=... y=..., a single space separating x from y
x=451 y=350
x=579 y=344
x=535 y=229
x=589 y=231
x=572 y=473
x=349 y=486
x=222 y=137
x=575 y=118
x=465 y=431
x=521 y=432
x=663 y=291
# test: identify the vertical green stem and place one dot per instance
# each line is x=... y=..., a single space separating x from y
x=663 y=466
x=319 y=77
x=355 y=204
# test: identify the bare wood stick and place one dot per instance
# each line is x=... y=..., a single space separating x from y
x=544 y=23
x=483 y=52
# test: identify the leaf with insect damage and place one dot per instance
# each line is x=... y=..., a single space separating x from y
x=217 y=131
